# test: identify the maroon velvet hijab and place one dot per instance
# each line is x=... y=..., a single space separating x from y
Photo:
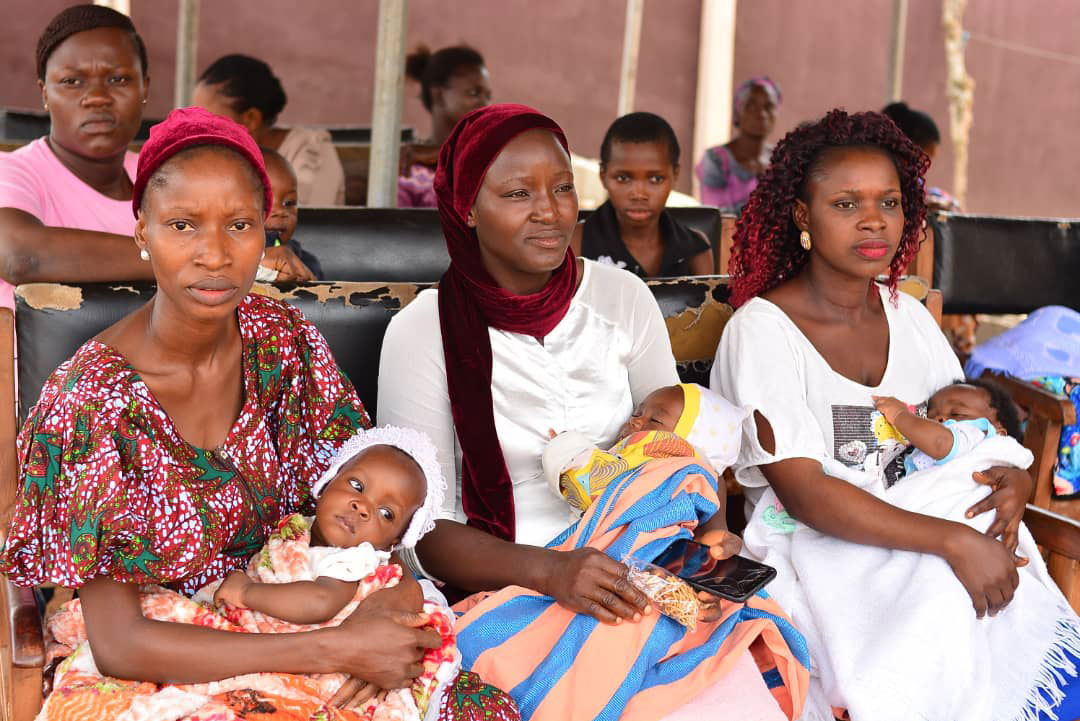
x=470 y=302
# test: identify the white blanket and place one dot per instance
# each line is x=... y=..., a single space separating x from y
x=892 y=634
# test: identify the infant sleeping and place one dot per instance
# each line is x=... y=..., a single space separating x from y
x=685 y=420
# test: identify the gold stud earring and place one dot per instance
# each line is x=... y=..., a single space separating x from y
x=804 y=240
x=46 y=106
x=144 y=254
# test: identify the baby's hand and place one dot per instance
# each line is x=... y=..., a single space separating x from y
x=231 y=590
x=890 y=407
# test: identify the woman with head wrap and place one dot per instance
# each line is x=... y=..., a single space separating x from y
x=521 y=337
x=168 y=448
x=728 y=173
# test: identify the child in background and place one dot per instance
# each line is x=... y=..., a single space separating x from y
x=281 y=224
x=639 y=166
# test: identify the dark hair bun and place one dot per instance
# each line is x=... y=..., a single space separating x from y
x=416 y=63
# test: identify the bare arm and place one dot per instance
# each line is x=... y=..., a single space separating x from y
x=477 y=561
x=304 y=602
x=380 y=647
x=836 y=508
x=930 y=437
x=584 y=580
x=33 y=252
x=702 y=263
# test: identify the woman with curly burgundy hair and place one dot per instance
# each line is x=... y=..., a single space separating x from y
x=767 y=248
x=815 y=338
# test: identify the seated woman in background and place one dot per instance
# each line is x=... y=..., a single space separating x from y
x=246 y=90
x=65 y=199
x=453 y=82
x=639 y=164
x=728 y=173
x=171 y=445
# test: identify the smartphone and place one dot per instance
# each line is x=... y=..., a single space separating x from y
x=735 y=578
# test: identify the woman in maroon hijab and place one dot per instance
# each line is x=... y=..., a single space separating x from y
x=520 y=338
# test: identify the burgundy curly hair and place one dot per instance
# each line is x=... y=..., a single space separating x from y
x=766 y=248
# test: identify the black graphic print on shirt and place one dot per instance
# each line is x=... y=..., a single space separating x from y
x=863 y=439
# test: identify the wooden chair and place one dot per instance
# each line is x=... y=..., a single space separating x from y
x=1047 y=413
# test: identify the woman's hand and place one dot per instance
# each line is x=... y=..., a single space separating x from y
x=984 y=566
x=289 y=267
x=722 y=544
x=231 y=590
x=591 y=582
x=381 y=647
x=1012 y=489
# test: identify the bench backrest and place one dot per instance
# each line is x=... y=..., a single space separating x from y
x=53 y=320
x=987 y=264
x=407 y=244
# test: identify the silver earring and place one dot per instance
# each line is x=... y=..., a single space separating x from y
x=804 y=240
x=144 y=254
x=46 y=106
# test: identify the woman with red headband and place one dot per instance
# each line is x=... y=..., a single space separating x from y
x=522 y=337
x=172 y=444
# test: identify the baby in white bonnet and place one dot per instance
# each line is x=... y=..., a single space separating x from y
x=381 y=492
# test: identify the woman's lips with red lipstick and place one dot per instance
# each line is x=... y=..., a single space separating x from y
x=872 y=249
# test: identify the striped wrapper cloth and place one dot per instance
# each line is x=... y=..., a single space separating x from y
x=560 y=665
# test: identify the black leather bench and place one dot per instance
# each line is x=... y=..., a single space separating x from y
x=53 y=320
x=988 y=264
x=406 y=244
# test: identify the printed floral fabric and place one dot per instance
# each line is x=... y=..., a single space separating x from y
x=79 y=685
x=1067 y=470
x=109 y=488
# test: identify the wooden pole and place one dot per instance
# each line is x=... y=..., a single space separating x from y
x=386 y=106
x=715 y=78
x=960 y=90
x=187 y=50
x=120 y=6
x=635 y=9
x=898 y=43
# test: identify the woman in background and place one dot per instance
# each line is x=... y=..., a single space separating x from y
x=246 y=90
x=728 y=173
x=453 y=82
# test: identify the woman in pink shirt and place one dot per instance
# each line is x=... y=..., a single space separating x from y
x=65 y=199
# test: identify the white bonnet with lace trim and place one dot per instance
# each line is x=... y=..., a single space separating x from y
x=420 y=448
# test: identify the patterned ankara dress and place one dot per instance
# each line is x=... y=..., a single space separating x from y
x=109 y=488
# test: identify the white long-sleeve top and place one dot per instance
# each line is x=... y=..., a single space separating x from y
x=609 y=351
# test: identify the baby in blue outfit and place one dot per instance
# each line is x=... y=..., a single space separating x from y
x=959 y=417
